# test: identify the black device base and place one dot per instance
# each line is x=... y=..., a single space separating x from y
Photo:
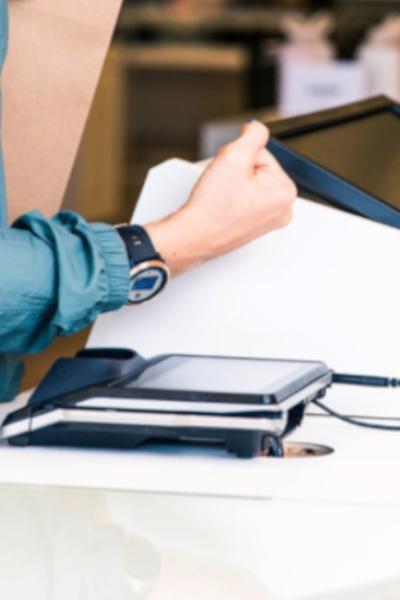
x=70 y=410
x=240 y=444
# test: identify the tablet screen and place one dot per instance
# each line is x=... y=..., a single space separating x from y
x=225 y=375
x=364 y=152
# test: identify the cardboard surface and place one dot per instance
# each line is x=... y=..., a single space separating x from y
x=56 y=53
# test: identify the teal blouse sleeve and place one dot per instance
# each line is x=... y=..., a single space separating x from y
x=56 y=275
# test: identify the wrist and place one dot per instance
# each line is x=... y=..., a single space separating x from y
x=179 y=242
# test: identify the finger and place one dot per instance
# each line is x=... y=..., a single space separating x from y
x=267 y=163
x=266 y=159
x=244 y=150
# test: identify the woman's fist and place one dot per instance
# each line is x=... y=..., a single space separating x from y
x=243 y=193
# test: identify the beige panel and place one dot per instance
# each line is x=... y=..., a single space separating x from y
x=57 y=49
x=97 y=185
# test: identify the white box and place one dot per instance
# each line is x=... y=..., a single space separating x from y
x=309 y=86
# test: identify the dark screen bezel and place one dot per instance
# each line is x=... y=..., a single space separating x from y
x=327 y=120
x=281 y=394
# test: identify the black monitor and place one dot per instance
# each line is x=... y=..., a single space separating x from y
x=348 y=156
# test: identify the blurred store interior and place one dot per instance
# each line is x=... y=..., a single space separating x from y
x=181 y=76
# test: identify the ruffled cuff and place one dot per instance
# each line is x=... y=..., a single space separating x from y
x=115 y=278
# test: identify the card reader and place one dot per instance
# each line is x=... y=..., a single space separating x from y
x=114 y=398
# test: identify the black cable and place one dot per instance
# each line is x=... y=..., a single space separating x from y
x=361 y=380
x=365 y=380
x=355 y=422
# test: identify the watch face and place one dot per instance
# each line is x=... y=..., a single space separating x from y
x=147 y=284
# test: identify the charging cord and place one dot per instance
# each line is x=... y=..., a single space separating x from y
x=365 y=381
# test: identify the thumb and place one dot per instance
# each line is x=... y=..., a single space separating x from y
x=245 y=149
x=254 y=137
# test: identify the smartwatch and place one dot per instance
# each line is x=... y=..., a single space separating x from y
x=148 y=271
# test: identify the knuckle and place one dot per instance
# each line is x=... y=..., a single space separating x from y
x=288 y=194
x=285 y=219
x=231 y=153
x=293 y=191
x=221 y=152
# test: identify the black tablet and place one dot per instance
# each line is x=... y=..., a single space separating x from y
x=348 y=156
x=246 y=381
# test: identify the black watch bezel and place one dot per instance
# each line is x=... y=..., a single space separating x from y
x=149 y=273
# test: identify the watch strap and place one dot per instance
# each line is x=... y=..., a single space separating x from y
x=138 y=244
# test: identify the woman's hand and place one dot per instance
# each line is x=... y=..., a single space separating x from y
x=244 y=193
